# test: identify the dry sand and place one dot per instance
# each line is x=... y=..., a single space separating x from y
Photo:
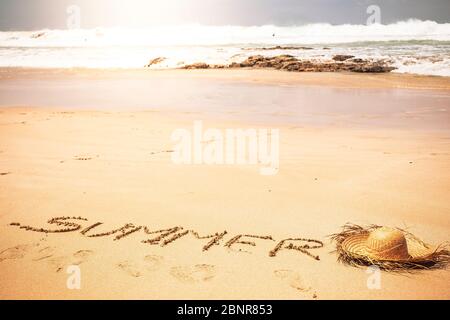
x=112 y=165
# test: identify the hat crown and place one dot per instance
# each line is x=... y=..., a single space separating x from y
x=388 y=243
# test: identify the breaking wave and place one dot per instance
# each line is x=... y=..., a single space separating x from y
x=411 y=46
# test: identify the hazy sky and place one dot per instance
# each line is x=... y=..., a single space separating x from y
x=40 y=14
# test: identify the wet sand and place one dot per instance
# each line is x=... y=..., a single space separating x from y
x=70 y=147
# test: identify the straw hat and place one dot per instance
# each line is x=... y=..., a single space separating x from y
x=389 y=248
x=387 y=244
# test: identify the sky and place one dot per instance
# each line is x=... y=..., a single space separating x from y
x=21 y=15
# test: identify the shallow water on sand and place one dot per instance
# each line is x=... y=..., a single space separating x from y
x=236 y=100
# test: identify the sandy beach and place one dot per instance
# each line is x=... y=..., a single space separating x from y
x=96 y=145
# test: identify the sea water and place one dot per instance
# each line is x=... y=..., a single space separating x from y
x=413 y=46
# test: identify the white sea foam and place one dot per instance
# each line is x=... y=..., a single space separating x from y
x=412 y=46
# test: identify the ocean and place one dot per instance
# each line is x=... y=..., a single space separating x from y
x=413 y=46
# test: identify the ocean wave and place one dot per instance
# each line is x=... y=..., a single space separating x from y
x=421 y=47
x=411 y=30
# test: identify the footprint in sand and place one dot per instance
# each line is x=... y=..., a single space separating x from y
x=44 y=253
x=294 y=280
x=137 y=269
x=153 y=262
x=193 y=274
x=130 y=268
x=17 y=252
x=61 y=262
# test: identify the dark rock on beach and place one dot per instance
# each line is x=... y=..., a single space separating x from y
x=286 y=48
x=342 y=57
x=372 y=68
x=290 y=63
x=358 y=60
x=198 y=65
x=155 y=61
x=265 y=62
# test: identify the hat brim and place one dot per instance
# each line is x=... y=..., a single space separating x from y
x=422 y=256
x=356 y=245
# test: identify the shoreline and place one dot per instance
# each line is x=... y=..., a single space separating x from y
x=270 y=97
x=263 y=76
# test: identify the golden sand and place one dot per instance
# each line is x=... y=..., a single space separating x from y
x=146 y=228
